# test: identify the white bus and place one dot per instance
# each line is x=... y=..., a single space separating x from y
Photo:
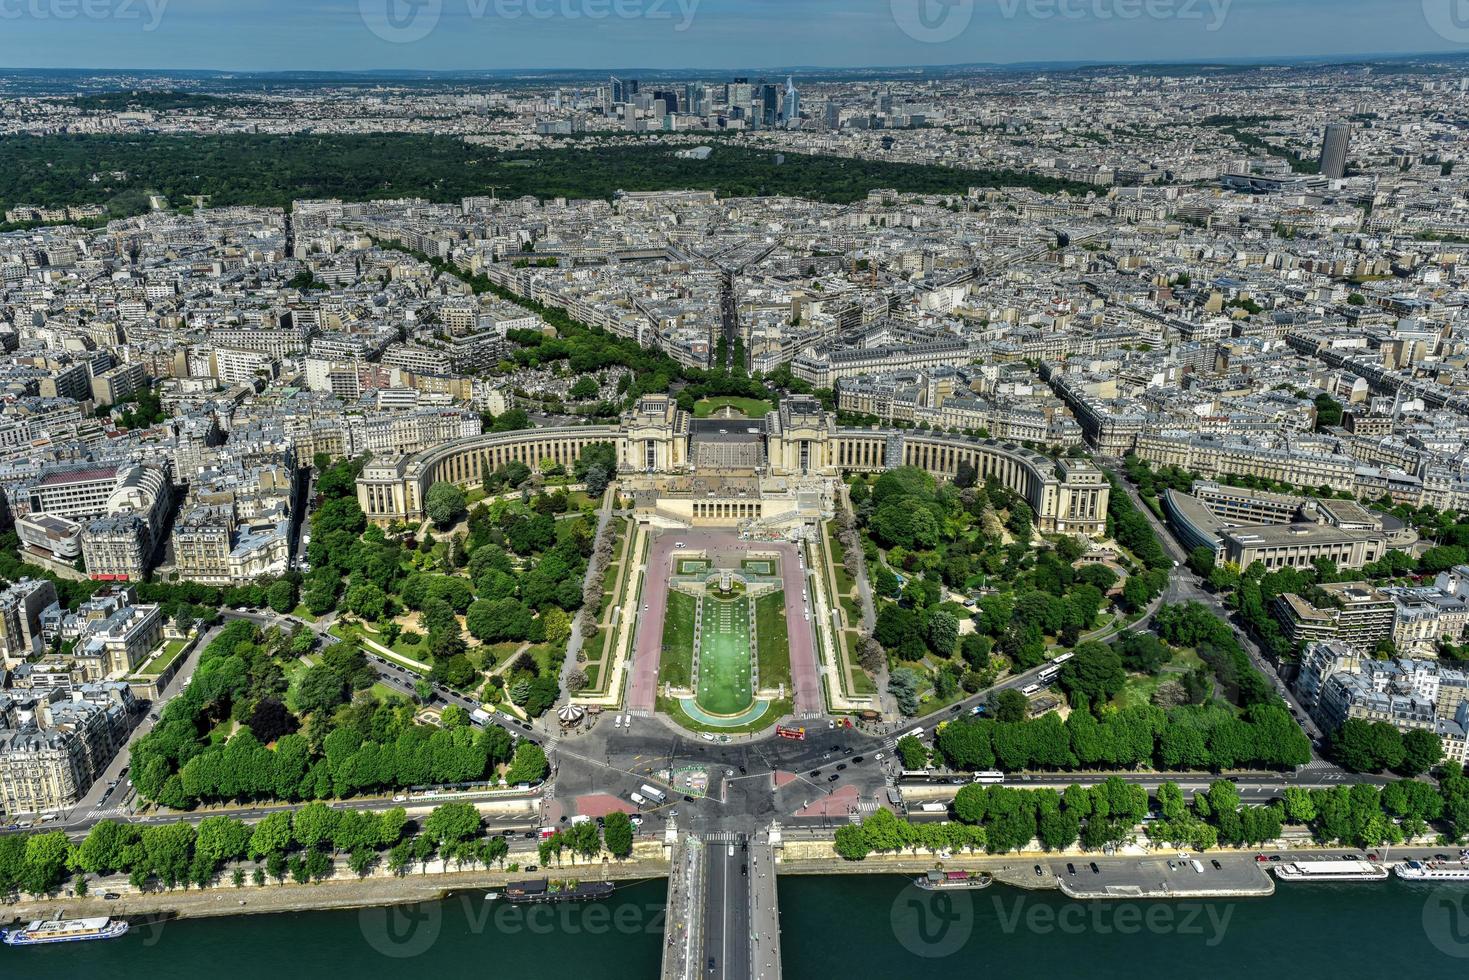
x=1062 y=659
x=653 y=794
x=989 y=776
x=915 y=733
x=1030 y=689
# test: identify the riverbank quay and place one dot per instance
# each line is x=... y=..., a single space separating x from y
x=1129 y=876
x=339 y=892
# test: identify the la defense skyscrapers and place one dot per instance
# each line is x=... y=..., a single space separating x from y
x=1334 y=150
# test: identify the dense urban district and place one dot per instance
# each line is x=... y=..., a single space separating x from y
x=482 y=473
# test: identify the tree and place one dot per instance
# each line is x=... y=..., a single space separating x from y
x=270 y=719
x=1095 y=673
x=444 y=504
x=1328 y=411
x=272 y=835
x=322 y=690
x=943 y=632
x=903 y=686
x=529 y=764
x=1010 y=706
x=367 y=601
x=1364 y=746
x=499 y=620
x=1422 y=750
x=452 y=823
x=617 y=830
x=44 y=862
x=1201 y=561
x=281 y=596
x=851 y=842
x=912 y=752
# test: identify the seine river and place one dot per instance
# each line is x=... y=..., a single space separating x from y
x=852 y=926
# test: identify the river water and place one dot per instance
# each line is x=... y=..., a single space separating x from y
x=849 y=926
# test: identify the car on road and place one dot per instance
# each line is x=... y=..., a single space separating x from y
x=531 y=867
x=833 y=777
x=742 y=771
x=841 y=765
x=1261 y=858
x=529 y=835
x=1071 y=869
x=711 y=959
x=1038 y=872
x=688 y=799
x=111 y=896
x=707 y=737
x=815 y=773
x=857 y=760
x=1275 y=857
x=1095 y=870
x=956 y=709
x=1217 y=865
x=847 y=750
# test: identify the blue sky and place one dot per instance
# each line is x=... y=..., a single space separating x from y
x=707 y=35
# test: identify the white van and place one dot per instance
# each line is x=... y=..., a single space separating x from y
x=638 y=798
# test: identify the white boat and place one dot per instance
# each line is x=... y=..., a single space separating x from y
x=44 y=931
x=491 y=896
x=1432 y=870
x=1331 y=871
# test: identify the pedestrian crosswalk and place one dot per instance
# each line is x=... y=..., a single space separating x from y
x=723 y=837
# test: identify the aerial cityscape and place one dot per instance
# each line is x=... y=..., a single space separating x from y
x=703 y=521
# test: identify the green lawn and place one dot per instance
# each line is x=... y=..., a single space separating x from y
x=772 y=635
x=724 y=657
x=753 y=407
x=169 y=655
x=676 y=665
x=1139 y=688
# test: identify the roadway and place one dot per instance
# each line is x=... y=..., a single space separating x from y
x=726 y=909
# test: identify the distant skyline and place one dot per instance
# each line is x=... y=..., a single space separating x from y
x=704 y=35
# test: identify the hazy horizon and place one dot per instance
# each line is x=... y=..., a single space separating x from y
x=706 y=35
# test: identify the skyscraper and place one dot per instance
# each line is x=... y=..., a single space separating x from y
x=792 y=109
x=1334 y=150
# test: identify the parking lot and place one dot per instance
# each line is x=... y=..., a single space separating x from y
x=1166 y=875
